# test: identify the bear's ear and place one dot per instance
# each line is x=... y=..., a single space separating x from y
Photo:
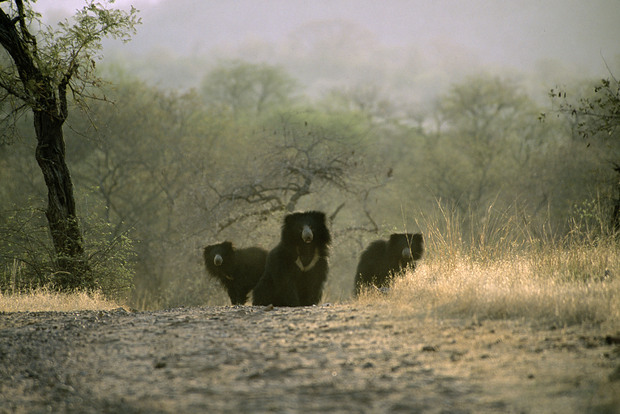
x=207 y=252
x=319 y=216
x=415 y=239
x=288 y=219
x=417 y=246
x=395 y=236
x=228 y=245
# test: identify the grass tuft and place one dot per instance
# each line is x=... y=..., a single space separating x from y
x=501 y=271
x=43 y=300
x=515 y=288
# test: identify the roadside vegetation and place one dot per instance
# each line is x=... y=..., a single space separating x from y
x=44 y=300
x=517 y=195
x=505 y=272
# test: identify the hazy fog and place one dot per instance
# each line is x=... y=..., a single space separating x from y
x=514 y=33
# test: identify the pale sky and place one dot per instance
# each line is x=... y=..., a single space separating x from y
x=513 y=33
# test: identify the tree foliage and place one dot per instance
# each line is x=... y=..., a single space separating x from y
x=44 y=67
x=48 y=64
x=248 y=88
x=301 y=158
x=596 y=118
x=597 y=114
x=487 y=126
x=165 y=173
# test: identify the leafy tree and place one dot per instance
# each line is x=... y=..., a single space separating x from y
x=44 y=67
x=153 y=141
x=596 y=117
x=486 y=138
x=300 y=157
x=248 y=88
x=367 y=99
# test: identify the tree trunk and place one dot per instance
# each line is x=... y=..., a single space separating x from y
x=73 y=270
x=615 y=216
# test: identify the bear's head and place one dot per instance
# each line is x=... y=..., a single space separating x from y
x=305 y=229
x=219 y=257
x=407 y=247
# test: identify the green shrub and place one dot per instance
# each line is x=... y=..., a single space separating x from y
x=28 y=261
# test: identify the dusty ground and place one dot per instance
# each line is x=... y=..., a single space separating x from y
x=328 y=359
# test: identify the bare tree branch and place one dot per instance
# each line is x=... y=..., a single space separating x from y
x=233 y=220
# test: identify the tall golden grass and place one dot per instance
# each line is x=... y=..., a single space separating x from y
x=43 y=300
x=506 y=270
x=496 y=266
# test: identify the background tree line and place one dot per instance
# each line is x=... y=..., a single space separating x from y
x=159 y=174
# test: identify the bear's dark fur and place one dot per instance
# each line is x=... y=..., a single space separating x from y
x=237 y=269
x=383 y=258
x=297 y=267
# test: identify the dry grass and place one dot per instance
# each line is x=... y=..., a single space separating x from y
x=503 y=272
x=508 y=289
x=500 y=271
x=44 y=300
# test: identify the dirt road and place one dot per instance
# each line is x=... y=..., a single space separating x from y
x=346 y=358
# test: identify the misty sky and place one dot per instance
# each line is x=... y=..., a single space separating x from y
x=511 y=33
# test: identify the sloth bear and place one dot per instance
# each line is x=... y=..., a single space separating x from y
x=296 y=268
x=237 y=269
x=382 y=259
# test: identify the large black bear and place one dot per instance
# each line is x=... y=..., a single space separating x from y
x=297 y=267
x=382 y=259
x=237 y=269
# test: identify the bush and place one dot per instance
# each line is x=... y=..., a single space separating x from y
x=27 y=257
x=500 y=270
